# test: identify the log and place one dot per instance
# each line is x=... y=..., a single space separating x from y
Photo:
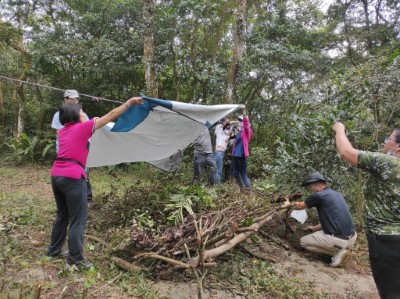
x=165 y=259
x=216 y=239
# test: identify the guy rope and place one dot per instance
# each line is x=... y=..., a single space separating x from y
x=94 y=98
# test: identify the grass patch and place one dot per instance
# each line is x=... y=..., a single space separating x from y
x=253 y=277
x=27 y=211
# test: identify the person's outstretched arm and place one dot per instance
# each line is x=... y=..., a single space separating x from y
x=346 y=150
x=113 y=114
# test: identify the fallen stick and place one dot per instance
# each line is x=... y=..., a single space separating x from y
x=164 y=258
x=275 y=240
x=255 y=254
x=98 y=240
x=246 y=229
x=219 y=237
x=126 y=265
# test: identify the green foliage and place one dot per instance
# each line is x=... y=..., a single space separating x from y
x=204 y=197
x=23 y=149
x=190 y=198
x=260 y=162
x=144 y=220
x=91 y=276
x=29 y=149
x=394 y=55
x=179 y=204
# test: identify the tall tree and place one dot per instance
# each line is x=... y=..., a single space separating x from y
x=12 y=37
x=148 y=48
x=238 y=50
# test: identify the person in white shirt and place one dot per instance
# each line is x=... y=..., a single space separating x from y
x=71 y=96
x=222 y=133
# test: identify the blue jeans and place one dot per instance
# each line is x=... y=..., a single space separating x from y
x=219 y=160
x=239 y=165
x=71 y=200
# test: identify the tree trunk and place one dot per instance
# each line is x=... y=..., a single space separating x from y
x=148 y=55
x=20 y=91
x=367 y=25
x=239 y=44
x=2 y=121
x=42 y=113
x=219 y=30
x=21 y=111
x=346 y=29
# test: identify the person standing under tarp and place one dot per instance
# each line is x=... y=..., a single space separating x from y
x=71 y=96
x=222 y=132
x=203 y=157
x=240 y=151
x=382 y=207
x=68 y=180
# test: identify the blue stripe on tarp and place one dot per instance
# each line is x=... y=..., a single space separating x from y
x=132 y=117
x=138 y=113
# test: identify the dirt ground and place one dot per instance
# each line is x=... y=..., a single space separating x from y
x=352 y=280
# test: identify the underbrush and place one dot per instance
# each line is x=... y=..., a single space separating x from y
x=125 y=196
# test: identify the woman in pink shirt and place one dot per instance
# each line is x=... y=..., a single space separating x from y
x=240 y=151
x=68 y=179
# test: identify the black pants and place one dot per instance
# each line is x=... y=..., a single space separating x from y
x=384 y=256
x=71 y=200
x=89 y=191
x=201 y=162
x=89 y=187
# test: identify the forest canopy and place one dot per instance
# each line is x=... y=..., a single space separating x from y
x=298 y=66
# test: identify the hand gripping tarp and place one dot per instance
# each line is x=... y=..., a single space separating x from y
x=156 y=132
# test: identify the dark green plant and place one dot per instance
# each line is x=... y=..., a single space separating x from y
x=23 y=149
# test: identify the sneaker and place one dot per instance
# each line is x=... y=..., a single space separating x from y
x=63 y=253
x=79 y=266
x=91 y=204
x=339 y=258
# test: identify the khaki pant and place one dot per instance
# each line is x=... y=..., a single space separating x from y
x=319 y=242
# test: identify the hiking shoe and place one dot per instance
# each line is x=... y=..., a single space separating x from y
x=63 y=253
x=339 y=258
x=79 y=266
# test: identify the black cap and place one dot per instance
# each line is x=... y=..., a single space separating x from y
x=228 y=124
x=314 y=178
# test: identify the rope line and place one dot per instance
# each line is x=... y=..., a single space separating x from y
x=94 y=98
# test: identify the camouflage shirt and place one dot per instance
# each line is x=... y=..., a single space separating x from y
x=381 y=192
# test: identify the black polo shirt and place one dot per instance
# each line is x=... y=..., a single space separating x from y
x=333 y=212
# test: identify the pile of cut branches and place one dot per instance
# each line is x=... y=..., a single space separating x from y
x=216 y=232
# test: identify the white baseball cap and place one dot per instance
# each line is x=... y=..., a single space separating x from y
x=72 y=94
